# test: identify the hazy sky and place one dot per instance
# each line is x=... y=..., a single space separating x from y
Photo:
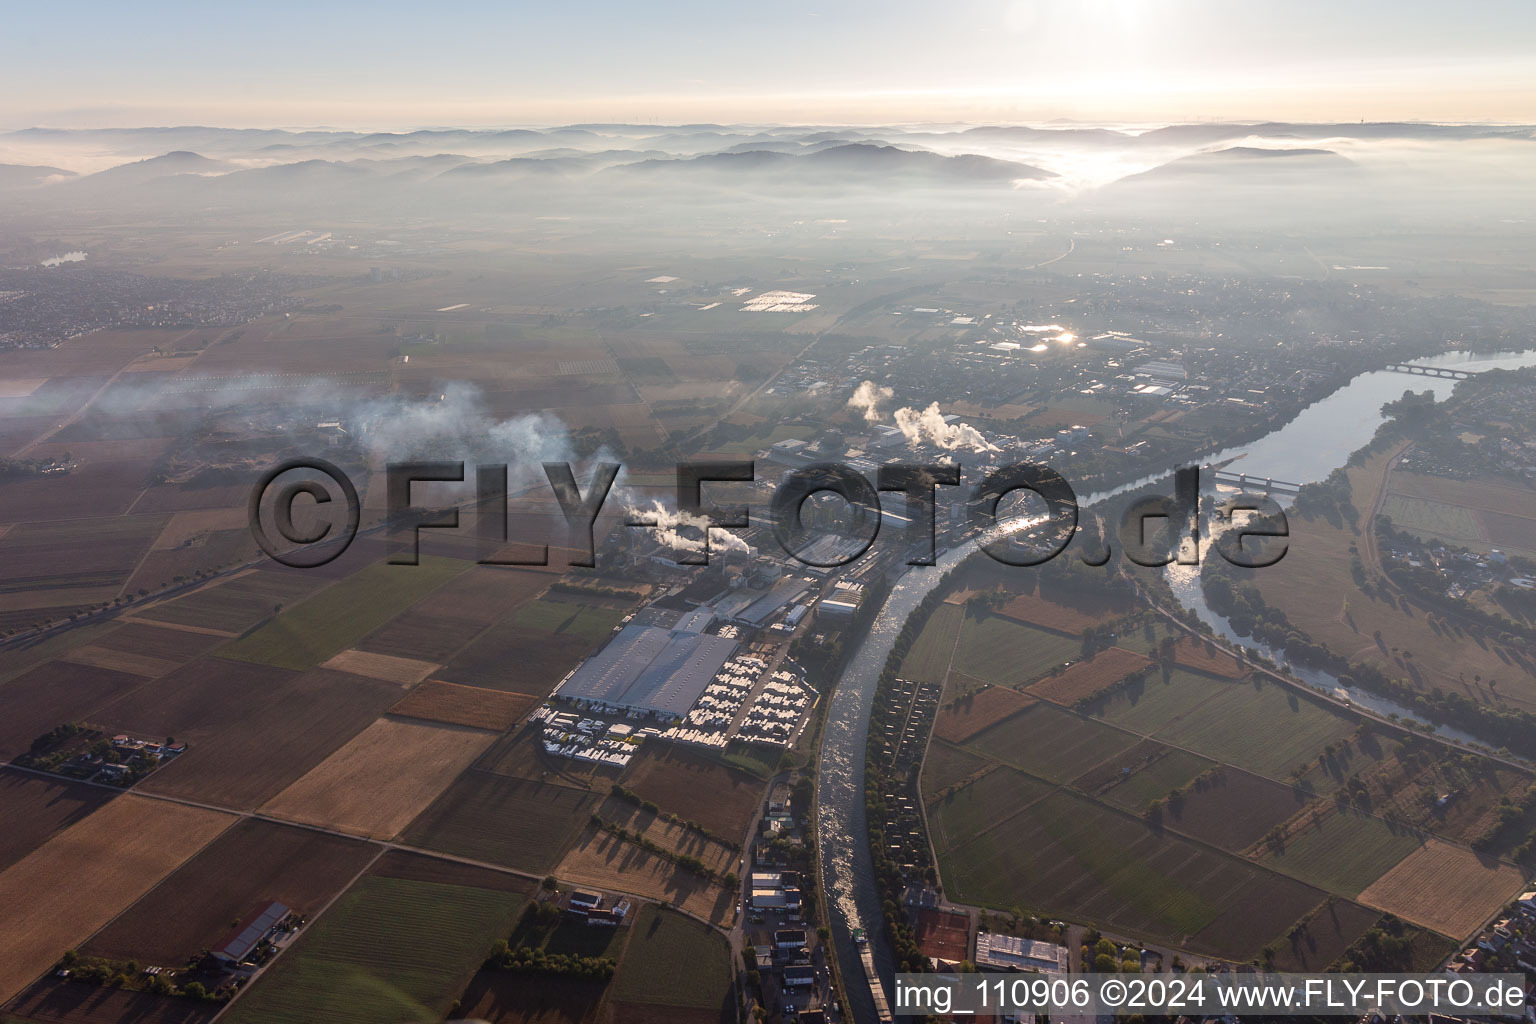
x=396 y=64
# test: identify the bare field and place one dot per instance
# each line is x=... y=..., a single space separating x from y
x=978 y=711
x=609 y=863
x=695 y=787
x=1060 y=616
x=718 y=857
x=1088 y=678
x=1332 y=928
x=187 y=527
x=472 y=706
x=74 y=553
x=508 y=658
x=34 y=808
x=151 y=641
x=52 y=1001
x=381 y=780
x=521 y=823
x=254 y=861
x=122 y=661
x=1482 y=494
x=111 y=488
x=236 y=604
x=215 y=550
x=52 y=694
x=61 y=893
x=1444 y=888
x=404 y=671
x=254 y=729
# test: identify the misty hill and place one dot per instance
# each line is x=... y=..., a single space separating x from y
x=25 y=176
x=840 y=163
x=1209 y=134
x=1242 y=164
x=522 y=167
x=1071 y=135
x=179 y=162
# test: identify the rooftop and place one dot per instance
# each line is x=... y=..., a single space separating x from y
x=1008 y=952
x=648 y=668
x=245 y=935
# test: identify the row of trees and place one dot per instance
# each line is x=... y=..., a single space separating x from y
x=128 y=974
x=537 y=960
x=685 y=861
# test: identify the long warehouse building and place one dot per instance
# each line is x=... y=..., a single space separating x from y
x=649 y=669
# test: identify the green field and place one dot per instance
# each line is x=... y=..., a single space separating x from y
x=389 y=950
x=674 y=960
x=1069 y=856
x=1344 y=852
x=946 y=765
x=1142 y=639
x=1050 y=742
x=928 y=660
x=759 y=761
x=237 y=604
x=519 y=823
x=341 y=615
x=959 y=817
x=1437 y=520
x=1006 y=653
x=1174 y=769
x=1157 y=703
x=1292 y=727
x=547 y=616
x=570 y=938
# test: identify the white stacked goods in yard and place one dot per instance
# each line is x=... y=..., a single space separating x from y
x=709 y=721
x=775 y=717
x=589 y=739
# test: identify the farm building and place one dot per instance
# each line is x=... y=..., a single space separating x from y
x=649 y=670
x=584 y=900
x=1008 y=953
x=246 y=935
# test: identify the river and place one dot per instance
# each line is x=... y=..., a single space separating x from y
x=1318 y=441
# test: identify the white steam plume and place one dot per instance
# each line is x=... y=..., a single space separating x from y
x=455 y=426
x=867 y=398
x=665 y=525
x=929 y=425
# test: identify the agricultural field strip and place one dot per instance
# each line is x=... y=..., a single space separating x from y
x=1482 y=496
x=337 y=895
x=1167 y=827
x=5 y=996
x=1335 y=702
x=384 y=846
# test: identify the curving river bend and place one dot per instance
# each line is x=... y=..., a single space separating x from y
x=1307 y=449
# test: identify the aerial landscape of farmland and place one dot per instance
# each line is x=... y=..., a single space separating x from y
x=534 y=515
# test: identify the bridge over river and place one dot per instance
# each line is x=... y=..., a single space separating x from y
x=1413 y=369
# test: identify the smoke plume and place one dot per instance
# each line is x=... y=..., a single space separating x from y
x=665 y=527
x=929 y=426
x=867 y=398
